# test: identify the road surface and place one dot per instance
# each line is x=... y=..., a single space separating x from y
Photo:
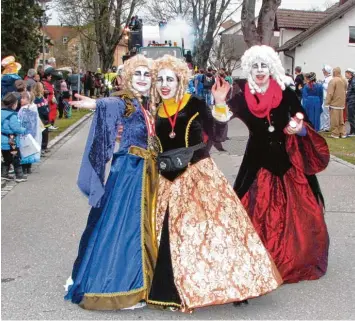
x=42 y=221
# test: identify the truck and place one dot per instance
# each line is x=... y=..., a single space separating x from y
x=151 y=42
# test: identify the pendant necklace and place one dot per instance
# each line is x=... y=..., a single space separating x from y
x=271 y=128
x=172 y=121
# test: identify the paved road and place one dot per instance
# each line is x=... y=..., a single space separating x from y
x=42 y=221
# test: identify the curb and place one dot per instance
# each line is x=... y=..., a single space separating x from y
x=7 y=186
x=65 y=133
x=341 y=161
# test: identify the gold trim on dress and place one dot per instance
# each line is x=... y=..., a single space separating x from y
x=115 y=293
x=164 y=303
x=120 y=300
x=116 y=302
x=160 y=145
x=188 y=128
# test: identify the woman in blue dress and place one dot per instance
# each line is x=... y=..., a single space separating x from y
x=312 y=99
x=117 y=251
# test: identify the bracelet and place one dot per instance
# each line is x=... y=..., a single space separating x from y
x=221 y=105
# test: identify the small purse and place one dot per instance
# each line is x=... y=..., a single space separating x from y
x=177 y=159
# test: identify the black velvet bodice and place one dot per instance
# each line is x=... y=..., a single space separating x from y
x=194 y=119
x=264 y=149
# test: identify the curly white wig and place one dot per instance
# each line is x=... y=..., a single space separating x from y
x=268 y=56
x=129 y=67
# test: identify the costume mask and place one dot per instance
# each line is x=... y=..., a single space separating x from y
x=141 y=80
x=167 y=83
x=260 y=73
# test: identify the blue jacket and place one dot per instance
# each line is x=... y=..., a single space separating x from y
x=8 y=83
x=10 y=124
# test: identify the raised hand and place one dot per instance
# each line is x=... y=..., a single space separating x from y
x=220 y=90
x=83 y=102
x=292 y=131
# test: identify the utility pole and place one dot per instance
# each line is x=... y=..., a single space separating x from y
x=79 y=62
x=44 y=21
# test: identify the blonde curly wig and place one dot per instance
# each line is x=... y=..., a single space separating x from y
x=268 y=56
x=181 y=70
x=129 y=68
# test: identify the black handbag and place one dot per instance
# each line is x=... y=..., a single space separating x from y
x=177 y=159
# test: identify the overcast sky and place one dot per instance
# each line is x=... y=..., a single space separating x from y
x=289 y=4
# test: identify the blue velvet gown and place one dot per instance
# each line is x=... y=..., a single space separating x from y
x=312 y=100
x=117 y=251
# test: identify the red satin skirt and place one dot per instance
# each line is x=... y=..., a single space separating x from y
x=286 y=214
x=290 y=222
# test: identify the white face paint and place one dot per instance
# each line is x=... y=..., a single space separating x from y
x=260 y=73
x=141 y=80
x=167 y=83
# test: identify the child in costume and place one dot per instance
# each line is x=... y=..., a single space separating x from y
x=9 y=75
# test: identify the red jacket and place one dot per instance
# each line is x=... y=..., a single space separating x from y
x=48 y=87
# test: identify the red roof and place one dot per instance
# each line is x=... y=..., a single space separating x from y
x=298 y=19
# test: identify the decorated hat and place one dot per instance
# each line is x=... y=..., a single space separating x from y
x=10 y=66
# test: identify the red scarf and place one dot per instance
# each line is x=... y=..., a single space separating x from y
x=267 y=101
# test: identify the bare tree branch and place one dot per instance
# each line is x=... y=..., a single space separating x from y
x=105 y=18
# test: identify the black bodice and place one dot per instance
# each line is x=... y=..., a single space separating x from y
x=194 y=119
x=265 y=149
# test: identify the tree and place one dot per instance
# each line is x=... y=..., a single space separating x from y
x=224 y=54
x=205 y=17
x=263 y=31
x=20 y=30
x=107 y=18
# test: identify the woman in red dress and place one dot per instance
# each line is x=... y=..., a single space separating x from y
x=276 y=181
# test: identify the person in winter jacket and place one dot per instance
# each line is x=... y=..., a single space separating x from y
x=9 y=75
x=336 y=96
x=63 y=98
x=10 y=131
x=49 y=95
x=208 y=81
x=350 y=99
x=31 y=78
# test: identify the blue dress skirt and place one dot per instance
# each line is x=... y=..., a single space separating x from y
x=117 y=251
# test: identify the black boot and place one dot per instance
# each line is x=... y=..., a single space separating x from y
x=24 y=169
x=240 y=303
x=5 y=172
x=20 y=177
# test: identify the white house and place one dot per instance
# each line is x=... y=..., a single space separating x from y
x=288 y=23
x=330 y=41
x=305 y=38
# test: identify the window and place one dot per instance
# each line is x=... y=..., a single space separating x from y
x=352 y=35
x=65 y=40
